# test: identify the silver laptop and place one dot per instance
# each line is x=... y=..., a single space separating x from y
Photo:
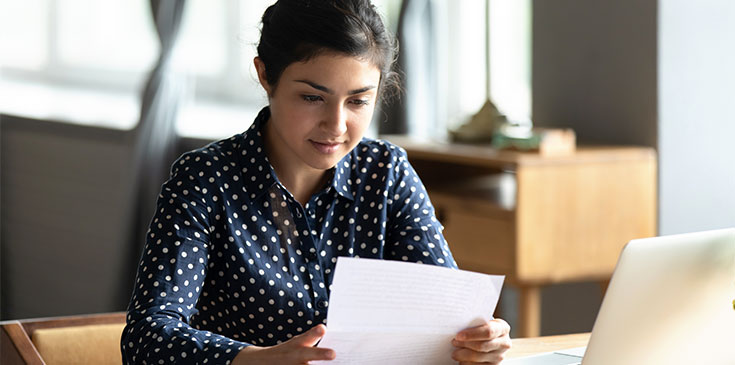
x=671 y=300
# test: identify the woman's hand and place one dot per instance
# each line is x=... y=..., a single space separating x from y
x=298 y=350
x=486 y=343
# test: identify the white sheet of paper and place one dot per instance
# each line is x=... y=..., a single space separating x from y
x=389 y=312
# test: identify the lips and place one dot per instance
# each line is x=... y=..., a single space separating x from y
x=326 y=147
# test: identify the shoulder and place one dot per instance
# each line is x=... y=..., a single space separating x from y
x=378 y=162
x=377 y=156
x=378 y=152
x=217 y=156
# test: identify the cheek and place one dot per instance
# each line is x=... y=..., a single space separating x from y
x=359 y=126
x=296 y=121
x=364 y=118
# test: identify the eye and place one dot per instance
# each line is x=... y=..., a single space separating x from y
x=311 y=99
x=360 y=102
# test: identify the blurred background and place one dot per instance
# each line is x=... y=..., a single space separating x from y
x=97 y=97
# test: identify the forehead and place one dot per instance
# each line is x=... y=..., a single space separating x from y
x=336 y=71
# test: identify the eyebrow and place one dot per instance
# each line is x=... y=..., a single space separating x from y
x=331 y=92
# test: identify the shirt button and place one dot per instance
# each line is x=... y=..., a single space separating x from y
x=312 y=255
x=322 y=304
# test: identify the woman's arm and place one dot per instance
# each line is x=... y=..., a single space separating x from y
x=413 y=232
x=298 y=350
x=170 y=279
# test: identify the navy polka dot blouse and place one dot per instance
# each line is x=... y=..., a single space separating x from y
x=232 y=259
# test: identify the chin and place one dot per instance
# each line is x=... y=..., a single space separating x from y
x=324 y=165
x=326 y=162
x=322 y=162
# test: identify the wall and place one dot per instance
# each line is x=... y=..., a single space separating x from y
x=64 y=196
x=594 y=69
x=696 y=115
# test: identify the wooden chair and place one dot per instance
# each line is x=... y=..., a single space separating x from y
x=84 y=339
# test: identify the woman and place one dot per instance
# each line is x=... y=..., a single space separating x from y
x=241 y=252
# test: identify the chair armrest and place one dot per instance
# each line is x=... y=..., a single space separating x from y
x=16 y=346
x=60 y=336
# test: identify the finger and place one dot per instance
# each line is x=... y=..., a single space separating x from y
x=487 y=331
x=485 y=363
x=501 y=343
x=306 y=354
x=466 y=355
x=310 y=337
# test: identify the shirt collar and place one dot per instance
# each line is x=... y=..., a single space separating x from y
x=342 y=178
x=258 y=173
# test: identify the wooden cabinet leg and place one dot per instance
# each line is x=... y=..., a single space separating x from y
x=529 y=316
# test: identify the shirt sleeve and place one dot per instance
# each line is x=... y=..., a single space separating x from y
x=413 y=232
x=170 y=279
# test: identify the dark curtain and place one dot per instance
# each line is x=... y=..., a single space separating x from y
x=154 y=138
x=418 y=104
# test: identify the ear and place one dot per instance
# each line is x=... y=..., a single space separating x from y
x=260 y=69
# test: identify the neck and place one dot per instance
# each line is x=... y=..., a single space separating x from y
x=302 y=184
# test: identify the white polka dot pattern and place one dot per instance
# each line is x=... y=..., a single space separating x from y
x=232 y=259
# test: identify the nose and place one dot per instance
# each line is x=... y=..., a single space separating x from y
x=335 y=121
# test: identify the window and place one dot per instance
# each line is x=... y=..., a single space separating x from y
x=510 y=57
x=111 y=45
x=103 y=43
x=23 y=34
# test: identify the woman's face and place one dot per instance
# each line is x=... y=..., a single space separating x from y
x=320 y=110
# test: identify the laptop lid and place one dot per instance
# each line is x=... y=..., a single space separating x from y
x=671 y=300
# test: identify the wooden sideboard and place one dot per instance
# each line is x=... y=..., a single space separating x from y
x=536 y=219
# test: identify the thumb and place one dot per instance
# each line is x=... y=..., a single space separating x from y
x=310 y=337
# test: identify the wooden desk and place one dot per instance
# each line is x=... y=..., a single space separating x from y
x=538 y=220
x=536 y=345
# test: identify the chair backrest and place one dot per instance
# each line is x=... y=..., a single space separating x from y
x=88 y=339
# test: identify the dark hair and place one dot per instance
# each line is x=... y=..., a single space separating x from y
x=298 y=30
